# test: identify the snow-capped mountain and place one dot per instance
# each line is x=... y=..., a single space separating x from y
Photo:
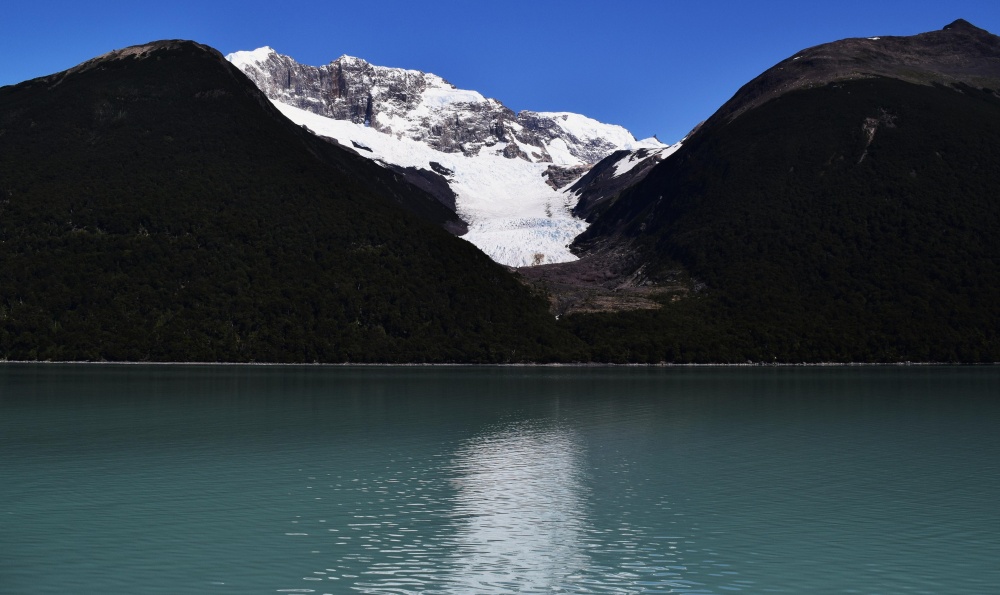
x=507 y=171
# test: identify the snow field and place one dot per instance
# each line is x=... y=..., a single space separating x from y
x=513 y=215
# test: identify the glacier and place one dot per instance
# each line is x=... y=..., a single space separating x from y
x=499 y=161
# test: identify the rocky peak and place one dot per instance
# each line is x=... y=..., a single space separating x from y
x=964 y=26
x=427 y=108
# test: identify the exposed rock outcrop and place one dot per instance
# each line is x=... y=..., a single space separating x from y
x=425 y=107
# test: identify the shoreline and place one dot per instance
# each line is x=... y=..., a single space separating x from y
x=516 y=365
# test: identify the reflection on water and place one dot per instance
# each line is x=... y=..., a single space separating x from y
x=194 y=480
x=519 y=510
x=500 y=512
x=524 y=506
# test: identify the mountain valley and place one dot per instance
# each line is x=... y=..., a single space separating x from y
x=167 y=203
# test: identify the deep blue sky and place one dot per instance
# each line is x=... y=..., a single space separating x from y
x=653 y=66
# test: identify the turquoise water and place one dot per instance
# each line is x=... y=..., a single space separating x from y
x=231 y=479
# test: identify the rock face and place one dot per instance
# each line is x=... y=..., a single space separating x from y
x=426 y=108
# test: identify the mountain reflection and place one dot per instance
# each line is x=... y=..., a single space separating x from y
x=519 y=511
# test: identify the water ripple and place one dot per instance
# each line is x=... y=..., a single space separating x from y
x=561 y=481
x=509 y=510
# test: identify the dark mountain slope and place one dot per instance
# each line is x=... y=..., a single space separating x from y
x=855 y=220
x=961 y=53
x=155 y=206
x=598 y=188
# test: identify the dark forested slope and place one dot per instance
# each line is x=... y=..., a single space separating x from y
x=849 y=219
x=155 y=206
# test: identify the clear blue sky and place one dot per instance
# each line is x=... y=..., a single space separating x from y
x=653 y=66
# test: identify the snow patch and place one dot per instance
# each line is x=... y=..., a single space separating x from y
x=438 y=97
x=257 y=56
x=630 y=161
x=560 y=153
x=649 y=143
x=586 y=129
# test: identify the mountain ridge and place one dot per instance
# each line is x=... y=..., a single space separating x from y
x=417 y=105
x=504 y=174
x=926 y=58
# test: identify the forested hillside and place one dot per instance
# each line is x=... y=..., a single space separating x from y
x=852 y=222
x=155 y=206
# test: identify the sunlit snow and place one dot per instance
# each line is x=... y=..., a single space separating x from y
x=585 y=129
x=441 y=96
x=514 y=216
x=244 y=58
x=628 y=163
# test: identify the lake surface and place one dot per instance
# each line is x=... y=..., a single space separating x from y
x=242 y=479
